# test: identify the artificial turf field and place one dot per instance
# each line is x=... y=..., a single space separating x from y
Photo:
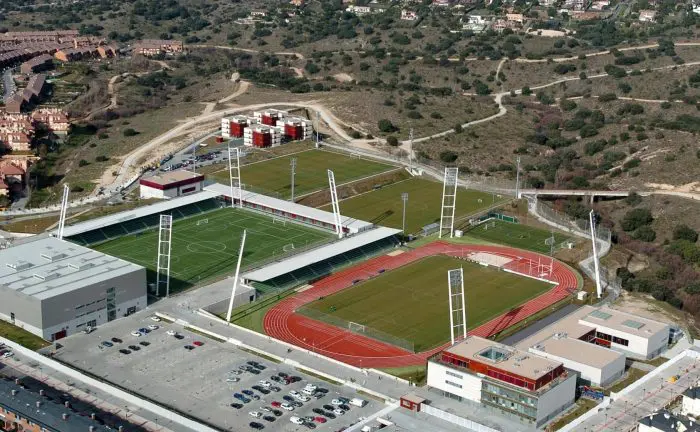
x=273 y=176
x=411 y=302
x=384 y=206
x=200 y=252
x=517 y=235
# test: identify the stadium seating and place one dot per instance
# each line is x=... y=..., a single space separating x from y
x=141 y=224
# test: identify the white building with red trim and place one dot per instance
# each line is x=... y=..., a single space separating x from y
x=260 y=135
x=234 y=126
x=270 y=116
x=171 y=185
x=295 y=128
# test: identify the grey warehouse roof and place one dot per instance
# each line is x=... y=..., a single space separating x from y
x=49 y=267
x=667 y=422
x=159 y=207
x=319 y=254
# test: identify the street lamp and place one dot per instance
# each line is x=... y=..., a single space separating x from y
x=404 y=198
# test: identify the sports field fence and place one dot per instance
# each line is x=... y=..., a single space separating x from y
x=357 y=328
x=581 y=228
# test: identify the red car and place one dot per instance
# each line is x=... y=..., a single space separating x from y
x=320 y=419
x=276 y=404
x=197 y=343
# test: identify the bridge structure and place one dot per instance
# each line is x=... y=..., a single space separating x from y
x=575 y=192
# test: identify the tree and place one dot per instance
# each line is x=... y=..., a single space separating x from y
x=448 y=156
x=392 y=141
x=636 y=218
x=633 y=199
x=83 y=163
x=526 y=91
x=458 y=128
x=386 y=126
x=684 y=232
x=645 y=233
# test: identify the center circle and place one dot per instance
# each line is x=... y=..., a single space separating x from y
x=206 y=247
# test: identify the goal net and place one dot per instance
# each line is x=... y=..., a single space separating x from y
x=288 y=247
x=279 y=221
x=202 y=222
x=490 y=225
x=355 y=327
x=356 y=156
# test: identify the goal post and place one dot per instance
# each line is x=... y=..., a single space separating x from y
x=279 y=221
x=202 y=221
x=356 y=327
x=288 y=247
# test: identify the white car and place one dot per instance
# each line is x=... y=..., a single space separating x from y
x=301 y=398
x=155 y=318
x=338 y=411
x=265 y=384
x=336 y=402
x=171 y=332
x=307 y=391
x=255 y=414
x=232 y=371
x=153 y=327
x=287 y=406
x=310 y=387
x=232 y=379
x=8 y=354
x=265 y=409
x=296 y=420
x=136 y=333
x=295 y=393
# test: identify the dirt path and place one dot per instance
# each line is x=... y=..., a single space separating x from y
x=242 y=88
x=565 y=59
x=281 y=53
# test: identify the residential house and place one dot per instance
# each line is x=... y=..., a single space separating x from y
x=15 y=103
x=12 y=177
x=600 y=4
x=151 y=47
x=441 y=2
x=37 y=64
x=74 y=54
x=55 y=120
x=408 y=15
x=515 y=17
x=359 y=10
x=107 y=51
x=297 y=3
x=647 y=15
x=258 y=14
x=38 y=36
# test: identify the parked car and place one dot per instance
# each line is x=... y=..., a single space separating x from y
x=124 y=351
x=144 y=330
x=236 y=405
x=338 y=411
x=179 y=336
x=134 y=348
x=136 y=333
x=144 y=343
x=328 y=407
x=155 y=318
x=265 y=384
x=288 y=398
x=275 y=404
x=307 y=391
x=310 y=386
x=107 y=344
x=329 y=414
x=320 y=419
x=153 y=327
x=197 y=343
x=232 y=379
x=277 y=412
x=318 y=411
x=269 y=418
x=171 y=332
x=336 y=402
x=296 y=420
x=256 y=425
x=255 y=414
x=287 y=406
x=275 y=389
x=189 y=347
x=116 y=340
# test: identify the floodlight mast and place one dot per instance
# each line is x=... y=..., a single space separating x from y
x=235 y=278
x=165 y=232
x=457 y=303
x=599 y=288
x=234 y=172
x=293 y=166
x=64 y=210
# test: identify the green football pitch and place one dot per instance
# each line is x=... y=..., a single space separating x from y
x=273 y=176
x=411 y=302
x=206 y=245
x=517 y=235
x=384 y=206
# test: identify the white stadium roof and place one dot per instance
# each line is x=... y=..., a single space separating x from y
x=159 y=207
x=319 y=254
x=354 y=225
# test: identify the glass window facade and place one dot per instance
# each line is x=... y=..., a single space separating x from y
x=517 y=403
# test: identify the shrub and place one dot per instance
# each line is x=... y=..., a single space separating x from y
x=633 y=199
x=665 y=105
x=386 y=126
x=101 y=158
x=684 y=232
x=392 y=141
x=645 y=233
x=129 y=132
x=526 y=91
x=588 y=131
x=448 y=156
x=414 y=115
x=632 y=163
x=436 y=115
x=607 y=97
x=83 y=163
x=636 y=218
x=102 y=135
x=76 y=188
x=567 y=105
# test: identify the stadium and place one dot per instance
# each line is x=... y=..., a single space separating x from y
x=362 y=297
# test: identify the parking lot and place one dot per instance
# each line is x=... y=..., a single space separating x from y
x=201 y=381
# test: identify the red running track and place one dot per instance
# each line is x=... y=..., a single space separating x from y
x=281 y=322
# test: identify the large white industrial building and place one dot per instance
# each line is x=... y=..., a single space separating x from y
x=522 y=385
x=54 y=288
x=170 y=185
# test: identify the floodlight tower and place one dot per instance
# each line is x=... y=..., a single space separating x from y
x=64 y=210
x=234 y=172
x=410 y=151
x=517 y=179
x=318 y=126
x=599 y=288
x=449 y=201
x=165 y=232
x=334 y=203
x=404 y=199
x=458 y=310
x=293 y=166
x=235 y=278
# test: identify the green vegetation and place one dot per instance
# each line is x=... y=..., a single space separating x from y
x=202 y=251
x=516 y=235
x=384 y=206
x=21 y=336
x=415 y=374
x=274 y=176
x=410 y=302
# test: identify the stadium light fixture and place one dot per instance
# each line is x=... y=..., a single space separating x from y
x=235 y=278
x=599 y=288
x=64 y=210
x=404 y=199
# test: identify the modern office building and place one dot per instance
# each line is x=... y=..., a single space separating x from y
x=54 y=288
x=516 y=383
x=170 y=185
